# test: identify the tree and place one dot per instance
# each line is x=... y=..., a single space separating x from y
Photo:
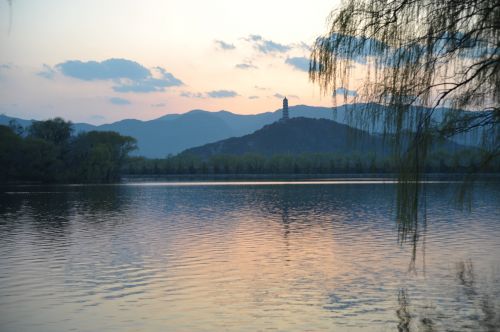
x=9 y=153
x=55 y=130
x=99 y=156
x=419 y=55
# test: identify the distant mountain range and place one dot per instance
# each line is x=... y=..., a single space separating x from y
x=173 y=133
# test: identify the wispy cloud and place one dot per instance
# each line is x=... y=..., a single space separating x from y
x=188 y=94
x=158 y=105
x=3 y=68
x=222 y=94
x=222 y=45
x=299 y=63
x=261 y=88
x=267 y=46
x=253 y=97
x=303 y=46
x=119 y=101
x=357 y=49
x=158 y=81
x=282 y=96
x=47 y=72
x=245 y=66
x=210 y=94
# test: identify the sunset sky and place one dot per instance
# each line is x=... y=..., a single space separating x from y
x=101 y=61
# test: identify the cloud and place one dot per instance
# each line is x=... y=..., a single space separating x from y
x=261 y=88
x=357 y=49
x=158 y=80
x=253 y=97
x=4 y=67
x=303 y=46
x=188 y=94
x=105 y=70
x=281 y=96
x=254 y=38
x=128 y=76
x=345 y=92
x=245 y=66
x=222 y=94
x=119 y=101
x=159 y=105
x=47 y=72
x=222 y=45
x=267 y=46
x=210 y=94
x=299 y=63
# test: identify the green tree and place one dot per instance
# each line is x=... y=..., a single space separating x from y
x=419 y=55
x=41 y=161
x=55 y=130
x=10 y=153
x=98 y=156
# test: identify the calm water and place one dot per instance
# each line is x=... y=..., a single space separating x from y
x=238 y=257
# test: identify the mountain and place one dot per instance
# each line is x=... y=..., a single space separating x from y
x=173 y=133
x=303 y=135
x=296 y=136
x=4 y=120
x=78 y=127
x=158 y=138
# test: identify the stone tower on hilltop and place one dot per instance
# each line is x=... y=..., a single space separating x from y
x=285 y=110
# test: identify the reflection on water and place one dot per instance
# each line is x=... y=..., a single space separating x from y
x=266 y=256
x=403 y=312
x=477 y=311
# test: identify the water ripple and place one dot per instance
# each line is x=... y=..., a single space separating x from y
x=217 y=256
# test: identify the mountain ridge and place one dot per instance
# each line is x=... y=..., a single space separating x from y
x=174 y=133
x=295 y=136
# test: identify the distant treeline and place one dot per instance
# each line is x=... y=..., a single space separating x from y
x=48 y=152
x=317 y=163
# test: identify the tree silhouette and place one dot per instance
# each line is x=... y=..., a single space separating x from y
x=417 y=56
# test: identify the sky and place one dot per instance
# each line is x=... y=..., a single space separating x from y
x=100 y=61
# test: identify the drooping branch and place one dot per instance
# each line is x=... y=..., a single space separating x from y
x=417 y=56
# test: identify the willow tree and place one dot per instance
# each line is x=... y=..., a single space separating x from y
x=415 y=57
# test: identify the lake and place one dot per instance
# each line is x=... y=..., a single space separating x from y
x=239 y=256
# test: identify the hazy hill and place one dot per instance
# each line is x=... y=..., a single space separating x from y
x=158 y=138
x=296 y=136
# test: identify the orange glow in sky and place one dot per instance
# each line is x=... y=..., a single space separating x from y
x=237 y=56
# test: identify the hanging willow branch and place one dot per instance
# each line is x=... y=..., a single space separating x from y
x=417 y=55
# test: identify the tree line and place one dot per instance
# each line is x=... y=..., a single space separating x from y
x=46 y=151
x=441 y=161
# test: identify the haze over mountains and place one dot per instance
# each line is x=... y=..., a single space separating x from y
x=174 y=133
